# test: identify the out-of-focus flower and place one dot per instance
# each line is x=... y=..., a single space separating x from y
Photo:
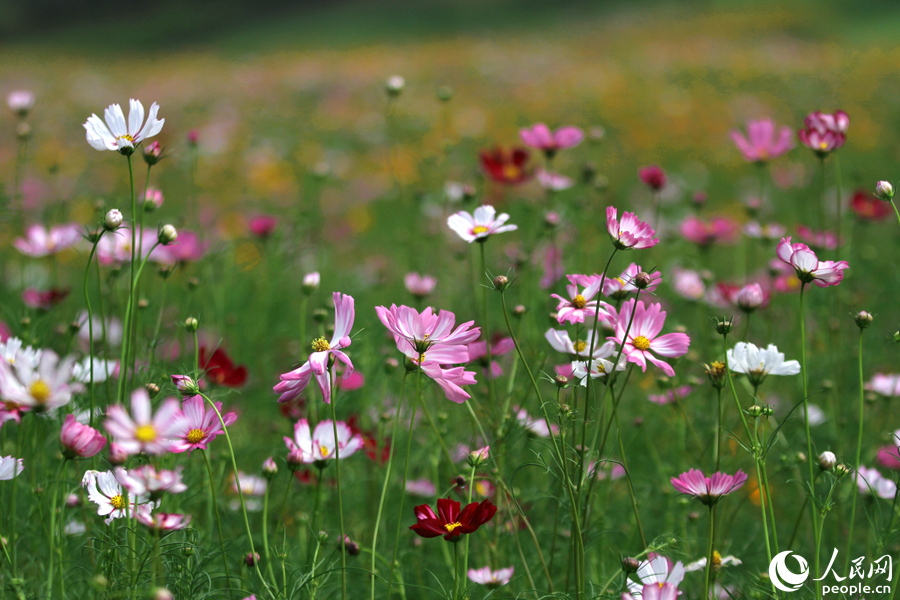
x=719 y=561
x=421 y=487
x=394 y=85
x=688 y=284
x=103 y=369
x=554 y=181
x=478 y=226
x=419 y=285
x=153 y=199
x=885 y=385
x=153 y=153
x=671 y=396
x=506 y=166
x=262 y=226
x=449 y=521
x=867 y=207
x=631 y=232
x=105 y=491
x=889 y=457
x=163 y=521
x=499 y=347
x=491 y=579
x=823 y=133
x=540 y=136
x=320 y=445
x=13 y=351
x=820 y=240
x=536 y=426
x=44 y=299
x=10 y=467
x=147 y=480
x=118 y=135
x=653 y=177
x=80 y=440
x=619 y=287
x=39 y=241
x=718 y=230
x=20 y=102
x=747 y=297
x=763 y=143
x=808 y=267
x=188 y=248
x=44 y=386
x=311 y=282
x=768 y=231
x=757 y=364
x=220 y=369
x=600 y=365
x=200 y=426
x=142 y=431
x=643 y=341
x=870 y=481
x=708 y=489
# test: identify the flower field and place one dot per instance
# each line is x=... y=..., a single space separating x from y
x=596 y=303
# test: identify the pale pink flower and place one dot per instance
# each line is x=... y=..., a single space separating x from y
x=39 y=241
x=671 y=396
x=823 y=132
x=294 y=382
x=550 y=259
x=10 y=467
x=659 y=577
x=478 y=353
x=820 y=240
x=688 y=284
x=747 y=298
x=142 y=431
x=421 y=487
x=719 y=230
x=419 y=285
x=147 y=480
x=163 y=522
x=619 y=287
x=643 y=341
x=579 y=305
x=541 y=137
x=492 y=579
x=536 y=426
x=606 y=470
x=153 y=198
x=320 y=445
x=630 y=232
x=653 y=591
x=118 y=135
x=553 y=181
x=200 y=426
x=478 y=226
x=80 y=440
x=768 y=231
x=708 y=489
x=870 y=481
x=885 y=385
x=450 y=380
x=807 y=265
x=46 y=385
x=764 y=142
x=20 y=102
x=186 y=249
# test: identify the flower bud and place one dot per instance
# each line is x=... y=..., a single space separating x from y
x=724 y=326
x=152 y=389
x=153 y=153
x=186 y=385
x=476 y=458
x=884 y=190
x=153 y=199
x=350 y=546
x=501 y=282
x=117 y=454
x=20 y=102
x=390 y=365
x=191 y=324
x=863 y=319
x=167 y=235
x=23 y=131
x=444 y=93
x=460 y=481
x=320 y=315
x=193 y=137
x=394 y=85
x=310 y=282
x=756 y=411
x=113 y=220
x=642 y=280
x=841 y=470
x=750 y=297
x=827 y=461
x=561 y=381
x=187 y=551
x=269 y=468
x=251 y=559
x=630 y=565
x=163 y=594
x=295 y=460
x=322 y=537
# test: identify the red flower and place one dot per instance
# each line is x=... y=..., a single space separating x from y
x=506 y=166
x=44 y=299
x=653 y=177
x=220 y=369
x=370 y=443
x=449 y=521
x=867 y=207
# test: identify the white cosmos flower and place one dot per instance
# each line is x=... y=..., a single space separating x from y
x=10 y=467
x=561 y=342
x=118 y=135
x=105 y=491
x=600 y=367
x=13 y=350
x=479 y=225
x=757 y=364
x=43 y=386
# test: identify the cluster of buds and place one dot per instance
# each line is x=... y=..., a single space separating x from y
x=717 y=373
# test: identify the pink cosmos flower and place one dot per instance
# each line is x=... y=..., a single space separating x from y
x=807 y=265
x=768 y=231
x=428 y=333
x=536 y=426
x=553 y=181
x=653 y=591
x=823 y=133
x=492 y=579
x=889 y=457
x=419 y=285
x=478 y=226
x=142 y=431
x=763 y=145
x=606 y=470
x=38 y=241
x=262 y=226
x=294 y=382
x=719 y=230
x=200 y=426
x=619 y=287
x=450 y=380
x=820 y=240
x=748 y=297
x=671 y=396
x=550 y=258
x=478 y=353
x=153 y=198
x=147 y=480
x=541 y=137
x=708 y=489
x=870 y=481
x=421 y=487
x=80 y=440
x=653 y=177
x=44 y=299
x=643 y=341
x=657 y=572
x=163 y=522
x=885 y=385
x=579 y=304
x=186 y=249
x=320 y=445
x=688 y=284
x=631 y=232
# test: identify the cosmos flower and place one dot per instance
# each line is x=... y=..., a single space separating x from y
x=630 y=232
x=657 y=572
x=142 y=431
x=870 y=481
x=491 y=579
x=818 y=240
x=200 y=426
x=147 y=480
x=449 y=521
x=537 y=427
x=808 y=267
x=643 y=341
x=262 y=226
x=767 y=231
x=619 y=287
x=162 y=522
x=554 y=181
x=44 y=299
x=540 y=136
x=118 y=135
x=757 y=364
x=763 y=143
x=561 y=342
x=10 y=467
x=653 y=177
x=506 y=166
x=869 y=208
x=671 y=396
x=885 y=385
x=220 y=369
x=39 y=241
x=20 y=102
x=718 y=230
x=478 y=226
x=43 y=386
x=319 y=445
x=105 y=491
x=688 y=284
x=419 y=285
x=823 y=132
x=708 y=489
x=80 y=440
x=579 y=305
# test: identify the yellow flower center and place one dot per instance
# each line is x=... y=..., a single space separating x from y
x=323 y=451
x=482 y=488
x=580 y=345
x=451 y=526
x=126 y=137
x=118 y=502
x=479 y=229
x=579 y=301
x=641 y=343
x=620 y=280
x=320 y=345
x=823 y=145
x=716 y=559
x=145 y=434
x=511 y=172
x=195 y=436
x=40 y=391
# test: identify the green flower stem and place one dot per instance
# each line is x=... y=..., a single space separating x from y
x=707 y=581
x=54 y=495
x=129 y=316
x=265 y=534
x=896 y=212
x=858 y=449
x=486 y=330
x=90 y=320
x=215 y=504
x=637 y=516
x=412 y=420
x=465 y=569
x=384 y=486
x=717 y=450
x=337 y=461
x=126 y=340
x=840 y=199
x=455 y=571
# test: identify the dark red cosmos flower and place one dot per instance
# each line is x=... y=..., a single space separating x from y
x=44 y=299
x=449 y=521
x=220 y=369
x=506 y=165
x=869 y=208
x=653 y=177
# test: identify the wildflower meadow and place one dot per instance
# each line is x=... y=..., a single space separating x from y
x=596 y=305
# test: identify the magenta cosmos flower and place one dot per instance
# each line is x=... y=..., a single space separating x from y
x=200 y=426
x=478 y=226
x=630 y=232
x=39 y=241
x=718 y=230
x=823 y=132
x=419 y=285
x=163 y=522
x=142 y=431
x=318 y=446
x=579 y=305
x=541 y=137
x=653 y=177
x=807 y=265
x=294 y=382
x=763 y=142
x=643 y=341
x=80 y=440
x=147 y=480
x=708 y=490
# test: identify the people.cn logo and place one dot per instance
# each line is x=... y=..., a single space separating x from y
x=785 y=579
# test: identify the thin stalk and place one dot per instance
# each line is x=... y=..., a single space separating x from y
x=709 y=552
x=840 y=201
x=337 y=461
x=637 y=516
x=486 y=330
x=90 y=318
x=809 y=454
x=265 y=534
x=896 y=212
x=858 y=449
x=469 y=501
x=212 y=495
x=717 y=452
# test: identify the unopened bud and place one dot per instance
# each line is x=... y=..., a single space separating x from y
x=163 y=594
x=117 y=454
x=113 y=220
x=630 y=565
x=519 y=310
x=884 y=190
x=642 y=280
x=153 y=153
x=350 y=546
x=827 y=461
x=841 y=470
x=23 y=131
x=460 y=481
x=501 y=282
x=444 y=93
x=251 y=559
x=394 y=85
x=320 y=315
x=152 y=389
x=756 y=411
x=295 y=460
x=724 y=326
x=310 y=282
x=185 y=385
x=863 y=319
x=390 y=365
x=476 y=458
x=167 y=235
x=561 y=381
x=191 y=324
x=269 y=468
